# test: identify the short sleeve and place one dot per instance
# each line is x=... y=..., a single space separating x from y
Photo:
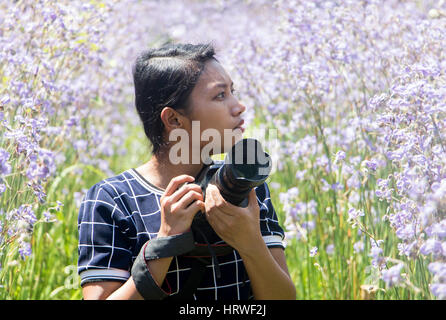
x=272 y=232
x=104 y=252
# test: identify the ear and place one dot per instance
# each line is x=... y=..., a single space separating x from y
x=171 y=119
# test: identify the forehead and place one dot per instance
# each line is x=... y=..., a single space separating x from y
x=213 y=74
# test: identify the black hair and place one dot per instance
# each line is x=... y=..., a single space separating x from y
x=165 y=77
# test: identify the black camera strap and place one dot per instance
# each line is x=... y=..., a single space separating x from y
x=203 y=256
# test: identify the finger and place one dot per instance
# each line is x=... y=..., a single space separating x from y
x=210 y=191
x=220 y=202
x=213 y=197
x=252 y=198
x=209 y=200
x=194 y=208
x=218 y=220
x=188 y=198
x=176 y=182
x=177 y=195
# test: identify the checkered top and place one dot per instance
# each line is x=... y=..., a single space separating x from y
x=119 y=214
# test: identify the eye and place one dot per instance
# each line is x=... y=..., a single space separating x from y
x=221 y=95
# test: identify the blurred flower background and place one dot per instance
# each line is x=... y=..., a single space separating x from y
x=355 y=89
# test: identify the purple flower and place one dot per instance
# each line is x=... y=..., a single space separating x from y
x=330 y=249
x=354 y=214
x=419 y=159
x=310 y=225
x=42 y=165
x=47 y=215
x=72 y=121
x=376 y=253
x=300 y=175
x=26 y=213
x=438 y=269
x=4 y=100
x=340 y=155
x=59 y=205
x=5 y=167
x=2 y=188
x=358 y=246
x=80 y=145
x=371 y=164
x=439 y=229
x=25 y=249
x=38 y=190
x=431 y=246
x=24 y=144
x=313 y=251
x=394 y=155
x=406 y=232
x=439 y=290
x=392 y=276
x=335 y=186
x=407 y=250
x=403 y=185
x=354 y=181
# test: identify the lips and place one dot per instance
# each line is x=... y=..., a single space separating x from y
x=239 y=126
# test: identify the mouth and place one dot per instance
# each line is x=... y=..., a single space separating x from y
x=240 y=126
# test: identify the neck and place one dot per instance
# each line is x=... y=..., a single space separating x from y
x=160 y=170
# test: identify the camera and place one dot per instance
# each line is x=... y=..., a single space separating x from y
x=245 y=167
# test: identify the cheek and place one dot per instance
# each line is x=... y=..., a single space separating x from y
x=214 y=119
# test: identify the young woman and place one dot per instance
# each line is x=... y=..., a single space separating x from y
x=177 y=86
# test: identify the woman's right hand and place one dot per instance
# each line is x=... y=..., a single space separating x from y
x=179 y=204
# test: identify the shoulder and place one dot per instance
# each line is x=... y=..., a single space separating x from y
x=114 y=186
x=100 y=198
x=116 y=194
x=117 y=184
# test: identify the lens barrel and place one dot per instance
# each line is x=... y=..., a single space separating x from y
x=246 y=166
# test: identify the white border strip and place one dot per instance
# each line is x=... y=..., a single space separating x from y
x=104 y=273
x=274 y=240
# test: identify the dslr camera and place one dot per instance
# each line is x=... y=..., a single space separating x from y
x=246 y=166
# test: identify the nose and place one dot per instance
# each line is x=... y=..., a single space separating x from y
x=238 y=109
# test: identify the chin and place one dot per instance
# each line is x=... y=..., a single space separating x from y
x=227 y=141
x=231 y=142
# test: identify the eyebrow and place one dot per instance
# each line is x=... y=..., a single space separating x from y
x=222 y=85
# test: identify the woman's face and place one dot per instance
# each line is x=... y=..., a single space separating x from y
x=216 y=109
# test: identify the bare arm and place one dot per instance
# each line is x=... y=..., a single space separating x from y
x=115 y=290
x=103 y=290
x=268 y=273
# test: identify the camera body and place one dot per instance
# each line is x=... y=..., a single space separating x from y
x=245 y=167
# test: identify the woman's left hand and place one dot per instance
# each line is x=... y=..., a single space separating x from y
x=238 y=227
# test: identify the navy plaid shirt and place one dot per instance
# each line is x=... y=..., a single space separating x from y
x=119 y=214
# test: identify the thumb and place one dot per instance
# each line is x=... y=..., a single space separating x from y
x=253 y=203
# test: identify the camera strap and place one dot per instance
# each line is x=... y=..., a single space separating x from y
x=155 y=249
x=203 y=255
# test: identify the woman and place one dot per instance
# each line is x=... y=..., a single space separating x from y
x=177 y=87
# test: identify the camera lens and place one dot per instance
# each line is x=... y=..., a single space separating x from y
x=246 y=166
